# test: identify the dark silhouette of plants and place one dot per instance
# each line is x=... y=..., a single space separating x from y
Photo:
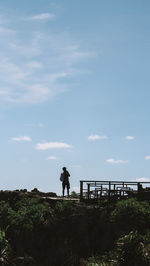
x=4 y=213
x=74 y=195
x=5 y=254
x=131 y=215
x=65 y=208
x=134 y=250
x=27 y=214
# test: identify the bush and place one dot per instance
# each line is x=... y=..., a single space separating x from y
x=105 y=260
x=27 y=214
x=74 y=195
x=4 y=249
x=4 y=212
x=65 y=207
x=134 y=250
x=131 y=215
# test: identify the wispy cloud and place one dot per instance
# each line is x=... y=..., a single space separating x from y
x=42 y=16
x=77 y=166
x=40 y=124
x=6 y=31
x=34 y=124
x=34 y=64
x=147 y=157
x=52 y=145
x=22 y=138
x=39 y=65
x=51 y=158
x=96 y=137
x=113 y=161
x=142 y=179
x=129 y=137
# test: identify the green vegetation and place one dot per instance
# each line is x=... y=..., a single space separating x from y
x=37 y=232
x=65 y=207
x=130 y=221
x=4 y=248
x=131 y=215
x=27 y=214
x=134 y=249
x=74 y=195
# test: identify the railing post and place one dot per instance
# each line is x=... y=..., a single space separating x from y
x=81 y=190
x=88 y=191
x=101 y=191
x=109 y=189
x=114 y=189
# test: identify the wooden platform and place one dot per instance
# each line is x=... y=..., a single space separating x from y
x=62 y=199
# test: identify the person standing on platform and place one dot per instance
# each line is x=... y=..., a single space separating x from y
x=64 y=177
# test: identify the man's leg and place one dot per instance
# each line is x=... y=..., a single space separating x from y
x=68 y=187
x=63 y=189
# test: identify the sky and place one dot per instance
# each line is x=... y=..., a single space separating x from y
x=74 y=92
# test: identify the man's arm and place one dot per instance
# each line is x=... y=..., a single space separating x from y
x=68 y=173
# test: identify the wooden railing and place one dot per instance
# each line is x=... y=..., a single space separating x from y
x=90 y=189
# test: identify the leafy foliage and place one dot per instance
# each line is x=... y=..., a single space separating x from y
x=74 y=195
x=134 y=250
x=51 y=226
x=65 y=207
x=131 y=215
x=105 y=260
x=4 y=213
x=26 y=214
x=4 y=249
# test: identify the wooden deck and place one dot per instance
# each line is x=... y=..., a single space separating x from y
x=62 y=199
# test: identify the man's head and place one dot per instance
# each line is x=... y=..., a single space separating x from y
x=64 y=168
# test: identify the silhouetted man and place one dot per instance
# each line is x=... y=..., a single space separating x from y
x=65 y=181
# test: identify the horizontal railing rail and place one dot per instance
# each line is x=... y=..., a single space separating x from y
x=91 y=189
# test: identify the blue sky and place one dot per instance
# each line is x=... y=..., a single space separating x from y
x=74 y=91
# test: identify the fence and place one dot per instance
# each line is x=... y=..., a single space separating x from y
x=90 y=189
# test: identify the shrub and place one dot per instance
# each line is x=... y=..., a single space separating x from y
x=134 y=250
x=131 y=215
x=4 y=212
x=27 y=214
x=4 y=249
x=74 y=195
x=105 y=260
x=65 y=207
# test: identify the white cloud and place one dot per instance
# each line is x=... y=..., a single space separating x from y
x=30 y=49
x=22 y=138
x=51 y=158
x=130 y=137
x=40 y=124
x=6 y=31
x=52 y=145
x=147 y=157
x=142 y=179
x=42 y=16
x=76 y=166
x=113 y=161
x=34 y=64
x=39 y=64
x=73 y=54
x=3 y=92
x=96 y=137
